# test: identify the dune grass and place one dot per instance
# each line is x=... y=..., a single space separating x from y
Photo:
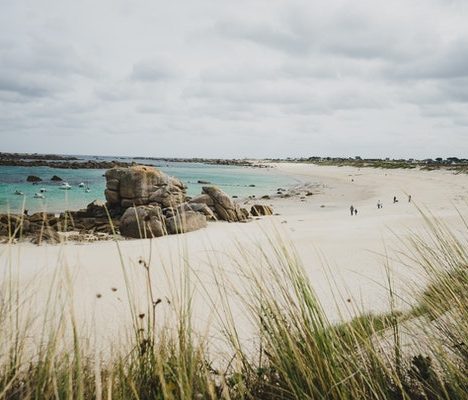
x=298 y=353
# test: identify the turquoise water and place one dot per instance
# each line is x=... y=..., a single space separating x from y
x=233 y=180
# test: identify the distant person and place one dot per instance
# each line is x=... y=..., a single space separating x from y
x=409 y=198
x=355 y=211
x=395 y=200
x=351 y=209
x=379 y=204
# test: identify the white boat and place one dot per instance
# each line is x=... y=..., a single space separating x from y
x=65 y=186
x=39 y=196
x=42 y=190
x=19 y=193
x=81 y=185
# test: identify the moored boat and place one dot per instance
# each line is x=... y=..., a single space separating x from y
x=65 y=186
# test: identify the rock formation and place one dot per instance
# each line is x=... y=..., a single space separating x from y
x=142 y=202
x=150 y=221
x=142 y=185
x=222 y=205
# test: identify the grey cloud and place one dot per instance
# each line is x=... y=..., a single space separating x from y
x=153 y=71
x=350 y=32
x=449 y=62
x=274 y=36
x=300 y=76
x=40 y=69
x=28 y=85
x=23 y=88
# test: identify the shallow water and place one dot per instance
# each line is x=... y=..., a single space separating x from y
x=233 y=180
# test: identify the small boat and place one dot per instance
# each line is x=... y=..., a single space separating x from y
x=65 y=186
x=42 y=190
x=39 y=196
x=81 y=185
x=19 y=193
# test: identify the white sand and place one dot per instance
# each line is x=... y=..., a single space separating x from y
x=328 y=240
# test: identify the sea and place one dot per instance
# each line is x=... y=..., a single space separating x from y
x=234 y=180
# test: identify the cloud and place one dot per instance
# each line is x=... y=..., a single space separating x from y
x=153 y=70
x=255 y=78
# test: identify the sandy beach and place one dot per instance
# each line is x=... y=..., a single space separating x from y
x=343 y=255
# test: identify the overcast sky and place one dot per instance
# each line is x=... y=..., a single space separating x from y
x=215 y=78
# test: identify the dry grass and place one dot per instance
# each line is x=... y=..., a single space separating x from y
x=299 y=354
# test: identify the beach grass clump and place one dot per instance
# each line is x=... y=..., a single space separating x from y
x=302 y=355
x=296 y=352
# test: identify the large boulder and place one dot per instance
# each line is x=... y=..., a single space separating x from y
x=198 y=207
x=187 y=221
x=142 y=222
x=142 y=185
x=202 y=199
x=224 y=208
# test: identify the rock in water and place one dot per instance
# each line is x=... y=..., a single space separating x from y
x=187 y=221
x=142 y=185
x=33 y=178
x=56 y=178
x=261 y=209
x=142 y=222
x=224 y=208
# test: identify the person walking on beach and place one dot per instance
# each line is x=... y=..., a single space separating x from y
x=355 y=211
x=379 y=204
x=351 y=209
x=409 y=198
x=395 y=200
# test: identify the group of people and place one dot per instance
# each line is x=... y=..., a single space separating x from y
x=354 y=211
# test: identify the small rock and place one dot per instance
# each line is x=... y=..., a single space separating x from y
x=261 y=209
x=33 y=178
